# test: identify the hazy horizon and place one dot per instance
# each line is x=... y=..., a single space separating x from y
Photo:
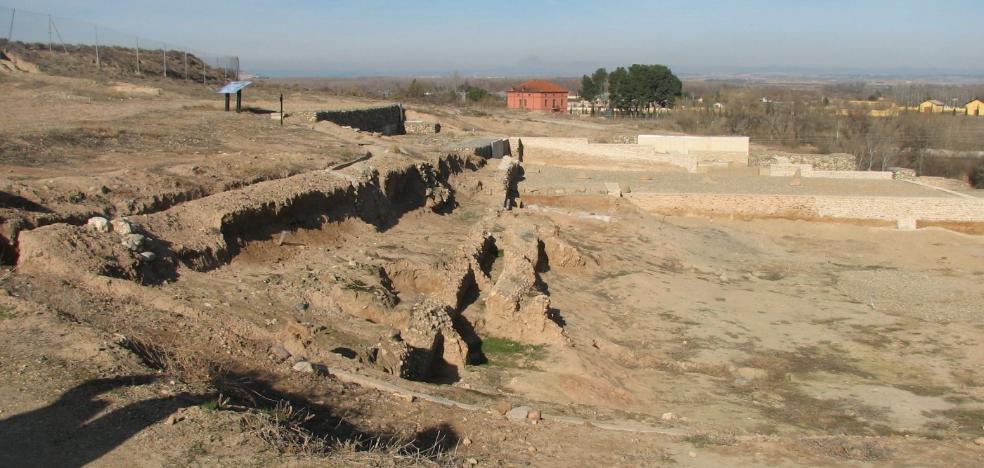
x=551 y=38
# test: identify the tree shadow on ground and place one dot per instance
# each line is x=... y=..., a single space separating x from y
x=255 y=390
x=64 y=432
x=73 y=431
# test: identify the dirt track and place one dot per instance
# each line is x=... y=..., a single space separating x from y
x=759 y=342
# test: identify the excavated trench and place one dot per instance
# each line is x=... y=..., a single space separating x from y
x=424 y=302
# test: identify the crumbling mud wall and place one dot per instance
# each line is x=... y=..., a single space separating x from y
x=388 y=120
x=208 y=232
x=516 y=305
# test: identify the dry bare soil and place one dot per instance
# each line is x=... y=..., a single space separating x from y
x=292 y=301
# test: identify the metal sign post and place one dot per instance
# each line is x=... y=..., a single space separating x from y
x=237 y=88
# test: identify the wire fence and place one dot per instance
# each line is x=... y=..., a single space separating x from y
x=106 y=51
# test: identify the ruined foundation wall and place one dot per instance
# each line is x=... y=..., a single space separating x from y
x=545 y=149
x=685 y=143
x=810 y=206
x=388 y=120
x=806 y=170
x=823 y=162
x=420 y=127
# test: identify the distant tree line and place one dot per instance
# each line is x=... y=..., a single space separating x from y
x=634 y=89
x=424 y=91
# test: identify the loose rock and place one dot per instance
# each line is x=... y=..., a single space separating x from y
x=519 y=413
x=148 y=256
x=98 y=223
x=310 y=368
x=134 y=242
x=122 y=227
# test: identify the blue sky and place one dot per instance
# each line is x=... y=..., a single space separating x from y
x=552 y=37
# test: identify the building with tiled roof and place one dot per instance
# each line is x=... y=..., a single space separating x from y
x=538 y=95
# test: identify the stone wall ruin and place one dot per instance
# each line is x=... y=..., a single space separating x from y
x=388 y=120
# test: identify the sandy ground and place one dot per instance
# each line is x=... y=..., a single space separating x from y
x=705 y=342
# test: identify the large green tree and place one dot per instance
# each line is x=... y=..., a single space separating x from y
x=643 y=86
x=600 y=79
x=589 y=89
x=592 y=87
x=619 y=94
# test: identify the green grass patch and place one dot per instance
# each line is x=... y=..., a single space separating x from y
x=6 y=313
x=506 y=353
x=211 y=405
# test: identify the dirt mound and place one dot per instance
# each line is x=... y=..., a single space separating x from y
x=11 y=63
x=67 y=250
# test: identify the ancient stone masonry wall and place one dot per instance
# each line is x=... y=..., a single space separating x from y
x=388 y=120
x=806 y=170
x=484 y=147
x=812 y=207
x=822 y=162
x=706 y=148
x=546 y=149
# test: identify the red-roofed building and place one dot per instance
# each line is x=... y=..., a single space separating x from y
x=537 y=95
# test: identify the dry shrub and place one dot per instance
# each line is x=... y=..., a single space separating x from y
x=839 y=447
x=283 y=429
x=189 y=363
x=287 y=430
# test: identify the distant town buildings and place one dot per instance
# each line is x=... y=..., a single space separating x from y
x=931 y=106
x=975 y=107
x=538 y=95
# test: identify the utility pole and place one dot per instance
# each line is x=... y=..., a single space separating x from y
x=203 y=71
x=98 y=63
x=165 y=60
x=50 y=37
x=186 y=65
x=10 y=32
x=138 y=55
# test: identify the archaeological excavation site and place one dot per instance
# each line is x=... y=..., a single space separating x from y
x=360 y=282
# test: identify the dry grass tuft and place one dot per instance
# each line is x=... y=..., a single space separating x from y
x=850 y=449
x=283 y=429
